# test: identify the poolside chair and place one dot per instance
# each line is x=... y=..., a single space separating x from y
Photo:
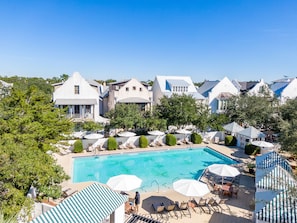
x=222 y=204
x=179 y=142
x=159 y=209
x=183 y=208
x=159 y=143
x=130 y=145
x=68 y=192
x=123 y=146
x=202 y=203
x=170 y=208
x=212 y=204
x=187 y=141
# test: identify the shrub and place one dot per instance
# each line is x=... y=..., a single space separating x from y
x=170 y=140
x=250 y=149
x=112 y=143
x=143 y=142
x=230 y=140
x=196 y=138
x=78 y=146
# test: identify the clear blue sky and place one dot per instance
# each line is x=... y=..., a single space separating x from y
x=121 y=39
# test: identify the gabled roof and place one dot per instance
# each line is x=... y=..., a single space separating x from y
x=93 y=204
x=233 y=127
x=252 y=132
x=278 y=87
x=206 y=87
x=247 y=85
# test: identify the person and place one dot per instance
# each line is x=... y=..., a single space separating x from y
x=137 y=201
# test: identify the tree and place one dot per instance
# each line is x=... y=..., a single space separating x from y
x=288 y=123
x=126 y=116
x=177 y=110
x=29 y=123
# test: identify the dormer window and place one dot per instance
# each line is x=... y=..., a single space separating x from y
x=134 y=88
x=127 y=89
x=140 y=89
x=76 y=89
x=177 y=85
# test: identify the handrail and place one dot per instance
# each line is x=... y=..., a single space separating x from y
x=155 y=181
x=176 y=178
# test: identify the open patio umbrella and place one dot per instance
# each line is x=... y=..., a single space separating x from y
x=94 y=136
x=223 y=170
x=126 y=134
x=124 y=182
x=191 y=188
x=263 y=144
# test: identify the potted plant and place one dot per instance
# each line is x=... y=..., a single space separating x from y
x=251 y=167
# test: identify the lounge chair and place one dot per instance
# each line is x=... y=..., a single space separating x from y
x=187 y=141
x=130 y=145
x=159 y=143
x=123 y=146
x=152 y=144
x=212 y=204
x=202 y=203
x=170 y=208
x=222 y=204
x=68 y=192
x=183 y=207
x=179 y=142
x=159 y=209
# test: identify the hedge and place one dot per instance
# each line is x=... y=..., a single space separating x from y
x=112 y=143
x=250 y=149
x=143 y=142
x=230 y=140
x=196 y=138
x=170 y=140
x=78 y=146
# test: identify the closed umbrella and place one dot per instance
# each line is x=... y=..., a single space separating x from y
x=126 y=134
x=94 y=136
x=124 y=182
x=223 y=170
x=183 y=131
x=156 y=133
x=190 y=188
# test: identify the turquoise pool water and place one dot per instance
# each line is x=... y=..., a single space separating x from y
x=156 y=169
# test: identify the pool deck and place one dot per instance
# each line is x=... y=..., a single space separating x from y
x=240 y=208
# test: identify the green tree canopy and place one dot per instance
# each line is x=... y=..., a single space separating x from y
x=29 y=123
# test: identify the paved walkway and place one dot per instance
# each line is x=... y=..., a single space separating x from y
x=240 y=208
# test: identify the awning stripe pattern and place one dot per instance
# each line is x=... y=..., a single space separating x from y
x=93 y=204
x=272 y=159
x=276 y=198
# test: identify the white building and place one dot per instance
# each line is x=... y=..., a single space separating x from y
x=80 y=97
x=217 y=93
x=168 y=85
x=127 y=92
x=285 y=89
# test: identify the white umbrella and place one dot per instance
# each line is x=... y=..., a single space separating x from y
x=124 y=182
x=191 y=188
x=223 y=170
x=126 y=134
x=263 y=144
x=156 y=133
x=183 y=131
x=94 y=136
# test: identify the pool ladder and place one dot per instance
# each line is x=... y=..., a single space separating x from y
x=155 y=181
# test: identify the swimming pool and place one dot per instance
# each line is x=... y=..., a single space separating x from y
x=157 y=169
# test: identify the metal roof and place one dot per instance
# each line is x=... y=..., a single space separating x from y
x=272 y=159
x=206 y=87
x=252 y=133
x=93 y=204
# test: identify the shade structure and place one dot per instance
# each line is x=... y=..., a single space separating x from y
x=263 y=144
x=126 y=134
x=94 y=136
x=233 y=127
x=124 y=182
x=183 y=131
x=156 y=133
x=223 y=170
x=191 y=188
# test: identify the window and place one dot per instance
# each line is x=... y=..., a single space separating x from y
x=127 y=89
x=140 y=89
x=76 y=89
x=134 y=88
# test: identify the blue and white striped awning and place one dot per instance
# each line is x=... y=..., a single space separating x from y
x=93 y=204
x=272 y=159
x=280 y=209
x=275 y=178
